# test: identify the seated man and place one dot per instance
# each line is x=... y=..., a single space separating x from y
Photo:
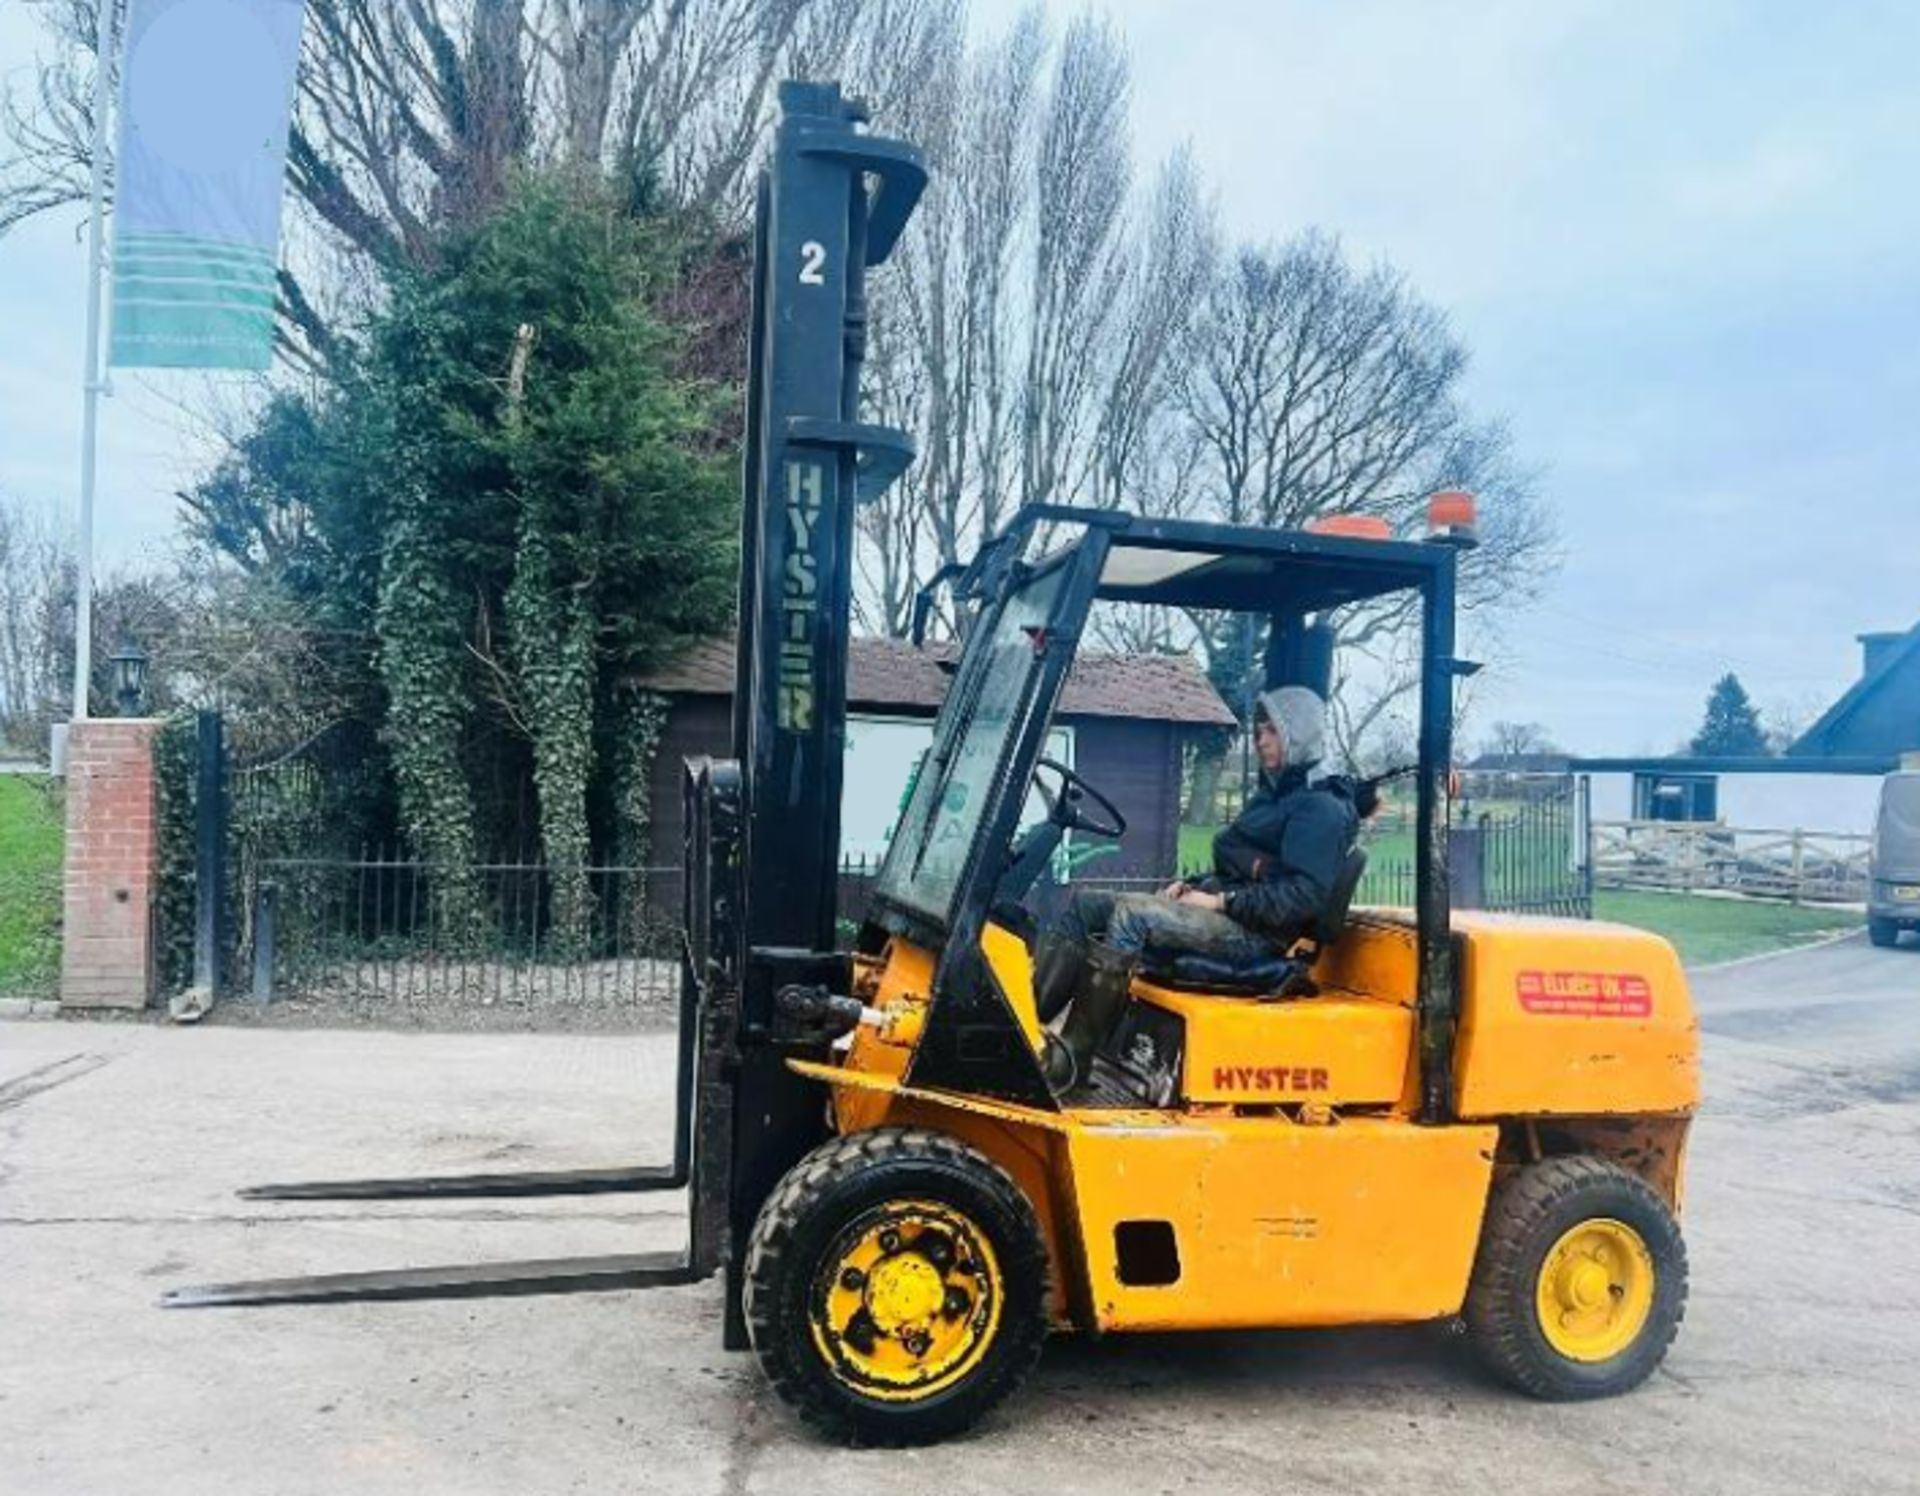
x=1273 y=871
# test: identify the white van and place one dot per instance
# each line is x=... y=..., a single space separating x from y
x=1893 y=897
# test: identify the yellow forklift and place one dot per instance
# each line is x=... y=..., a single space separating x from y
x=1411 y=1115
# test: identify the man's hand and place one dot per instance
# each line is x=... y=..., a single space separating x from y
x=1175 y=890
x=1200 y=899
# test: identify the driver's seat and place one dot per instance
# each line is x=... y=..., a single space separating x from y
x=1270 y=978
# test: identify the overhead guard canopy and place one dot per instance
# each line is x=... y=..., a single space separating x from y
x=1184 y=563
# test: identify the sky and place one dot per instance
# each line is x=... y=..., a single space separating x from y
x=1678 y=238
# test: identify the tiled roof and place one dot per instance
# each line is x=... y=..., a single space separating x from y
x=891 y=673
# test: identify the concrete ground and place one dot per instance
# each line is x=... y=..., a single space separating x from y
x=120 y=1146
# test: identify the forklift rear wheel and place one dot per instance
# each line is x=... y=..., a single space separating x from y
x=896 y=1286
x=1581 y=1281
x=1883 y=932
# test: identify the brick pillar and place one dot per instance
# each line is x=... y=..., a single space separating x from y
x=107 y=959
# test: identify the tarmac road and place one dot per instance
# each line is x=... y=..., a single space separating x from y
x=120 y=1146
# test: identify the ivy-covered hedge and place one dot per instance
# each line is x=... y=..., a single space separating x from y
x=505 y=503
x=174 y=760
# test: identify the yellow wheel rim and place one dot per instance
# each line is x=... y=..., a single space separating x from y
x=906 y=1300
x=1595 y=1290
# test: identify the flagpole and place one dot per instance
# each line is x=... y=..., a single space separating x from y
x=90 y=417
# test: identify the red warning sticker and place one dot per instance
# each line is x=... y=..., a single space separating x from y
x=1586 y=994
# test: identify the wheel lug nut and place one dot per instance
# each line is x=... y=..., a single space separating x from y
x=853 y=1278
x=957 y=1301
x=889 y=1241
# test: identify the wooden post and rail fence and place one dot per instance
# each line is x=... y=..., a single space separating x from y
x=1690 y=857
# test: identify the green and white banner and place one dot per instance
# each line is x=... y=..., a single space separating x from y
x=206 y=92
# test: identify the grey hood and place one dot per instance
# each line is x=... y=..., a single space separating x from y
x=1301 y=717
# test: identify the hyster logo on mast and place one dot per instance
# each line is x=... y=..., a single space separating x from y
x=800 y=597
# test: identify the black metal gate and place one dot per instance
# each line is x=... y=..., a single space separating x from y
x=1524 y=849
x=1535 y=851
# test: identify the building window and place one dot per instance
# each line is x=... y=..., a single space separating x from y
x=1676 y=797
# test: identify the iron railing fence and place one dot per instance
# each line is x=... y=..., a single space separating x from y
x=390 y=927
x=1523 y=855
x=1388 y=883
x=1536 y=855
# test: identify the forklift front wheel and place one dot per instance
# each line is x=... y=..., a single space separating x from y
x=1581 y=1280
x=896 y=1286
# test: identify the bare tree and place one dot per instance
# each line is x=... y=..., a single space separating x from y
x=1511 y=740
x=1320 y=390
x=1169 y=264
x=1144 y=455
x=911 y=373
x=33 y=622
x=947 y=341
x=1786 y=719
x=214 y=634
x=1082 y=173
x=51 y=122
x=1026 y=329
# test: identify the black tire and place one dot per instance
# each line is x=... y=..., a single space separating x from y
x=800 y=1235
x=1529 y=1214
x=1883 y=932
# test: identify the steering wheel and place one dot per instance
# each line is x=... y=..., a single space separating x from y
x=1064 y=805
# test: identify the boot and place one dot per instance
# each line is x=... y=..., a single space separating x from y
x=1092 y=1018
x=1059 y=976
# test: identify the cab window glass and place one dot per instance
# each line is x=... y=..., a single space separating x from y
x=978 y=727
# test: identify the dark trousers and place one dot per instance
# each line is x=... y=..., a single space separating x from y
x=1131 y=923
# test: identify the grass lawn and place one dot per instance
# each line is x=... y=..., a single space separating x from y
x=30 y=845
x=1705 y=930
x=1196 y=848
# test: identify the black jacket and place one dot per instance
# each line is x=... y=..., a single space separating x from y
x=1278 y=860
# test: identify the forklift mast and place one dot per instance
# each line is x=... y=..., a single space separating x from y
x=809 y=460
x=762 y=828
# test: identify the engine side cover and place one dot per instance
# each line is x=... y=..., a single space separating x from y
x=1572 y=1018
